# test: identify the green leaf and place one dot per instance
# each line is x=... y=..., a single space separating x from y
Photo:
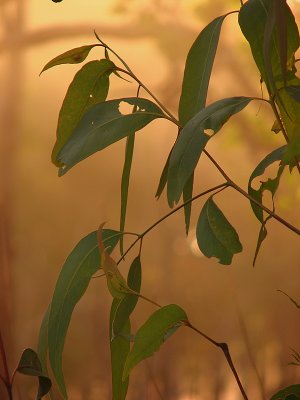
x=120 y=330
x=125 y=183
x=29 y=364
x=153 y=333
x=193 y=139
x=294 y=92
x=261 y=237
x=103 y=125
x=288 y=393
x=76 y=273
x=164 y=177
x=198 y=69
x=187 y=195
x=216 y=237
x=128 y=303
x=119 y=350
x=89 y=86
x=74 y=56
x=270 y=185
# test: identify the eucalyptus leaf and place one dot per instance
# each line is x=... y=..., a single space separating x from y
x=73 y=281
x=29 y=364
x=193 y=139
x=127 y=304
x=119 y=350
x=198 y=69
x=289 y=393
x=270 y=185
x=104 y=124
x=294 y=92
x=187 y=195
x=153 y=333
x=74 y=56
x=89 y=86
x=216 y=237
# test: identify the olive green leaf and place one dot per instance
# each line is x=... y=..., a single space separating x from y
x=104 y=124
x=288 y=393
x=153 y=333
x=89 y=87
x=74 y=56
x=73 y=281
x=216 y=237
x=193 y=139
x=29 y=364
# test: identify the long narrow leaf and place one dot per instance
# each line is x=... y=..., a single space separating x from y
x=73 y=281
x=187 y=195
x=103 y=125
x=193 y=139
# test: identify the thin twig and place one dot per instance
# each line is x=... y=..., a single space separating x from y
x=140 y=237
x=225 y=349
x=6 y=378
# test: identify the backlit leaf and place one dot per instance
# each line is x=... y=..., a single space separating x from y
x=104 y=124
x=198 y=69
x=89 y=86
x=76 y=273
x=216 y=237
x=74 y=56
x=193 y=139
x=153 y=333
x=29 y=364
x=288 y=393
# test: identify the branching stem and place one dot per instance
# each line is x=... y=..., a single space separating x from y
x=141 y=236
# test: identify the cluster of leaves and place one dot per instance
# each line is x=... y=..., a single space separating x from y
x=89 y=123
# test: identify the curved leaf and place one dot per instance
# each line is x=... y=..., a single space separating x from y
x=193 y=139
x=74 y=56
x=153 y=333
x=216 y=237
x=119 y=350
x=103 y=125
x=197 y=70
x=270 y=184
x=89 y=86
x=288 y=393
x=76 y=273
x=128 y=303
x=29 y=364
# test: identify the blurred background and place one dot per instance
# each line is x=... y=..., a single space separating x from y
x=42 y=217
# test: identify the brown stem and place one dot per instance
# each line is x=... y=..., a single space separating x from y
x=141 y=236
x=6 y=378
x=245 y=194
x=225 y=349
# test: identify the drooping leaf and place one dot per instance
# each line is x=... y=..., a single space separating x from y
x=76 y=273
x=288 y=393
x=119 y=350
x=103 y=125
x=74 y=56
x=153 y=333
x=261 y=237
x=187 y=195
x=29 y=364
x=253 y=19
x=125 y=183
x=89 y=87
x=216 y=237
x=198 y=69
x=270 y=185
x=120 y=330
x=193 y=139
x=127 y=304
x=164 y=177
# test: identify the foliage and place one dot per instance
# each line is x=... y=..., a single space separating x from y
x=88 y=123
